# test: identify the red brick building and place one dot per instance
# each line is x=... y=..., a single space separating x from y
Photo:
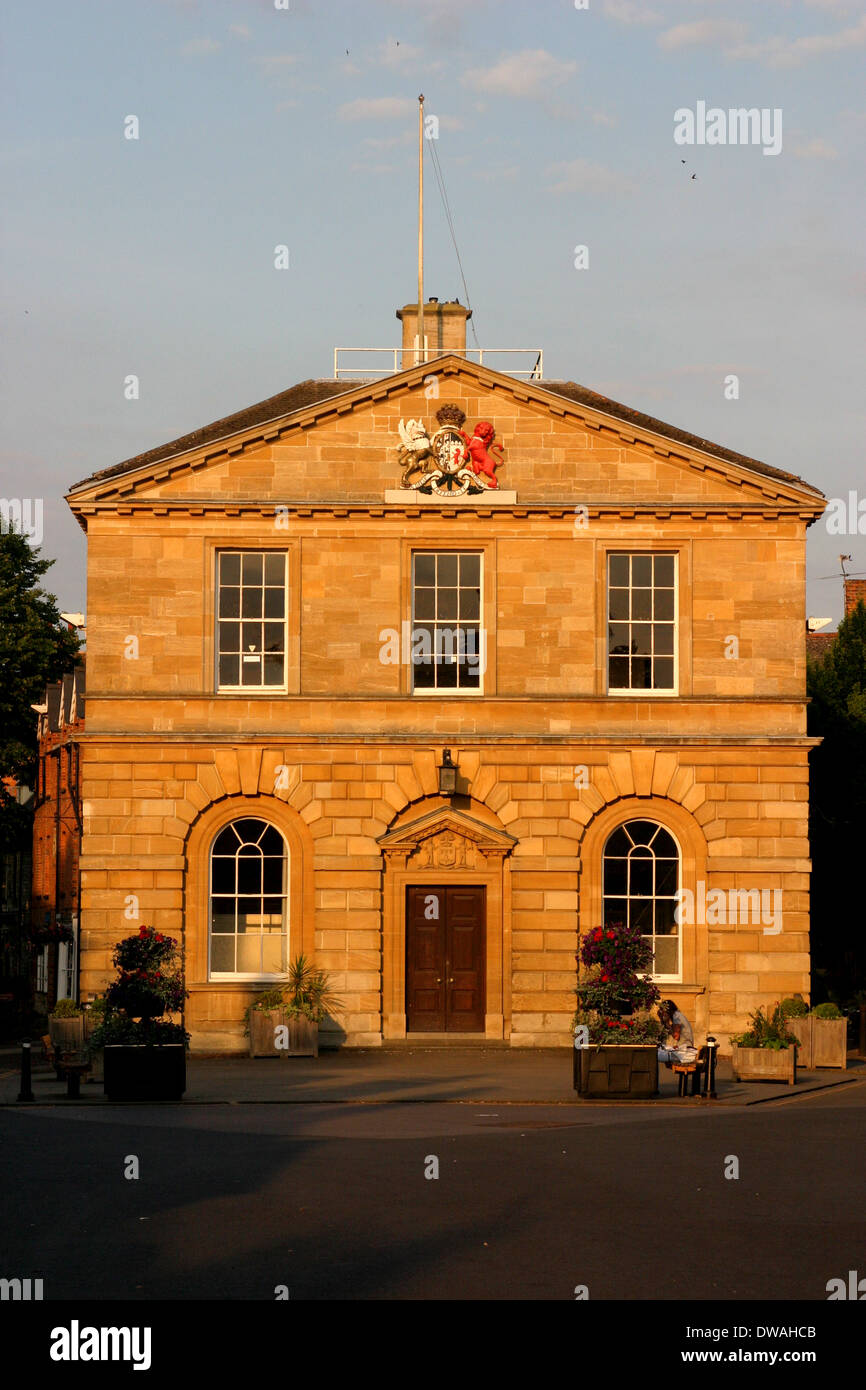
x=57 y=840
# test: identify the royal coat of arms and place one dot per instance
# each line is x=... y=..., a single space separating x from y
x=449 y=462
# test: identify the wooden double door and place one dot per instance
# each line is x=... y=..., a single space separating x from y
x=445 y=959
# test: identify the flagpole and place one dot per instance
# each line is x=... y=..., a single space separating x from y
x=421 y=229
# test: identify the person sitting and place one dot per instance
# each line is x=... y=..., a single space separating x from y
x=679 y=1040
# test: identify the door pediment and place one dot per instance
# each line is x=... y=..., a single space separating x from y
x=446 y=838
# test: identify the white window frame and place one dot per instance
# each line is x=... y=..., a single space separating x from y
x=261 y=689
x=225 y=975
x=630 y=692
x=41 y=986
x=660 y=978
x=456 y=691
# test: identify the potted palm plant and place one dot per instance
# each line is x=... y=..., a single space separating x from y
x=144 y=1049
x=616 y=1036
x=309 y=998
x=263 y=1019
x=767 y=1051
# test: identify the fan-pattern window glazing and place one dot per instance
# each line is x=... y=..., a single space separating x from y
x=251 y=619
x=641 y=611
x=641 y=883
x=248 y=898
x=446 y=621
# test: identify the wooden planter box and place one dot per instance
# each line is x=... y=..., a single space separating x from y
x=823 y=1041
x=67 y=1035
x=303 y=1038
x=140 y=1072
x=829 y=1042
x=763 y=1064
x=263 y=1032
x=615 y=1072
x=802 y=1030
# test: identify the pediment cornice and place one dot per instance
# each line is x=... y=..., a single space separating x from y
x=406 y=839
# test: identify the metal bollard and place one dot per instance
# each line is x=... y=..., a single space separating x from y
x=26 y=1092
x=710 y=1079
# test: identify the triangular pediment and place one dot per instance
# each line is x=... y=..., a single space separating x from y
x=340 y=444
x=449 y=836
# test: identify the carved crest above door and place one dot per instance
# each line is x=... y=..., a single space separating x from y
x=445 y=838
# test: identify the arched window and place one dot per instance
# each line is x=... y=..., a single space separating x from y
x=248 y=902
x=641 y=882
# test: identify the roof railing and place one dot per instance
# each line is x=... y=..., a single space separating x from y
x=341 y=372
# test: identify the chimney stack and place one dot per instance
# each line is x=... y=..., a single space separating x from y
x=855 y=592
x=444 y=330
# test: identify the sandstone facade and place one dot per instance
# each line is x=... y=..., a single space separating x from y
x=343 y=759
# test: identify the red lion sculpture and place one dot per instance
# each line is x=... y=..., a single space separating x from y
x=480 y=451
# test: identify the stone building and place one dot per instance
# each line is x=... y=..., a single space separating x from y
x=349 y=696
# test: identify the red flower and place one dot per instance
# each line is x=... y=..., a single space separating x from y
x=604 y=979
x=610 y=936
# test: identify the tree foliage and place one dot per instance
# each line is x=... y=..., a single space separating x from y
x=34 y=650
x=837 y=715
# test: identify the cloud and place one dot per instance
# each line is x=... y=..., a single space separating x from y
x=393 y=54
x=200 y=48
x=388 y=142
x=530 y=73
x=240 y=31
x=702 y=31
x=780 y=52
x=377 y=109
x=582 y=176
x=602 y=118
x=361 y=168
x=816 y=149
x=630 y=12
x=277 y=62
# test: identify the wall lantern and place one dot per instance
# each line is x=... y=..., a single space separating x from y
x=447 y=774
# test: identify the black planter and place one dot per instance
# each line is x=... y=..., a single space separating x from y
x=142 y=1072
x=616 y=1072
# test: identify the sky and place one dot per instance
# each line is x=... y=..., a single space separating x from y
x=296 y=126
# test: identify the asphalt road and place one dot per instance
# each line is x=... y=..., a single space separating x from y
x=530 y=1202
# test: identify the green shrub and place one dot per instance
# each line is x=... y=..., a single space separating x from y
x=66 y=1008
x=827 y=1011
x=268 y=999
x=767 y=1030
x=795 y=1007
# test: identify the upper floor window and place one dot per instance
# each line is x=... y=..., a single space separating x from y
x=641 y=612
x=447 y=636
x=641 y=883
x=251 y=619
